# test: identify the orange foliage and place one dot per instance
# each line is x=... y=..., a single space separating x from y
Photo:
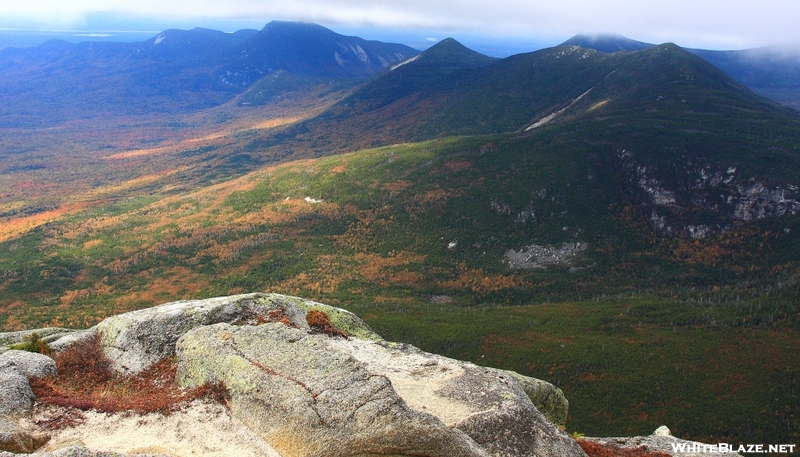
x=479 y=281
x=432 y=200
x=588 y=377
x=331 y=270
x=328 y=273
x=92 y=243
x=140 y=153
x=229 y=252
x=168 y=287
x=394 y=300
x=699 y=253
x=127 y=185
x=208 y=139
x=435 y=198
x=144 y=149
x=397 y=186
x=11 y=306
x=18 y=226
x=457 y=165
x=361 y=236
x=277 y=122
x=376 y=268
x=410 y=278
x=321 y=323
x=86 y=381
x=741 y=244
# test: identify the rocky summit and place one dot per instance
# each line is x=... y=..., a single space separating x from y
x=302 y=379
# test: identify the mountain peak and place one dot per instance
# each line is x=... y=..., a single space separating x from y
x=292 y=24
x=308 y=49
x=448 y=42
x=434 y=65
x=198 y=40
x=451 y=52
x=607 y=42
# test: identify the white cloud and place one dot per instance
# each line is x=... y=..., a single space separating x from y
x=696 y=23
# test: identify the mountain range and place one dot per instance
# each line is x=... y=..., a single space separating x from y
x=772 y=71
x=605 y=214
x=179 y=71
x=176 y=71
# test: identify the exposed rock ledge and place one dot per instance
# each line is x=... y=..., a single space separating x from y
x=293 y=392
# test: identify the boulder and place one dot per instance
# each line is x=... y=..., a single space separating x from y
x=488 y=404
x=16 y=400
x=16 y=396
x=30 y=364
x=64 y=341
x=662 y=431
x=13 y=439
x=133 y=341
x=326 y=389
x=547 y=398
x=314 y=394
x=307 y=399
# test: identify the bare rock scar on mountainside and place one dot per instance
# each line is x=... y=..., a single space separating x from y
x=539 y=256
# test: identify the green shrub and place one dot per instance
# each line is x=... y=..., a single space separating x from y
x=33 y=343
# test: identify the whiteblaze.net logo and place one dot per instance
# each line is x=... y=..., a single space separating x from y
x=700 y=448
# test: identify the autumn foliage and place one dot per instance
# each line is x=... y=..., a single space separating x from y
x=321 y=323
x=86 y=381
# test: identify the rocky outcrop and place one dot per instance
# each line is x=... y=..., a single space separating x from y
x=547 y=398
x=306 y=398
x=15 y=440
x=757 y=201
x=134 y=341
x=16 y=397
x=314 y=395
x=30 y=364
x=309 y=393
x=302 y=387
x=538 y=256
x=678 y=192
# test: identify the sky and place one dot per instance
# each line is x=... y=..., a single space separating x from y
x=708 y=24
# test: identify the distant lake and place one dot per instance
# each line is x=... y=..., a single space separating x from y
x=23 y=38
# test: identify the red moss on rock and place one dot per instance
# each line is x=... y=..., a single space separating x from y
x=321 y=323
x=86 y=381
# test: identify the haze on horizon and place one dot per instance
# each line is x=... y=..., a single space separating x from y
x=708 y=24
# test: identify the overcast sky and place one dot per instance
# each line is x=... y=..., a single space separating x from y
x=711 y=24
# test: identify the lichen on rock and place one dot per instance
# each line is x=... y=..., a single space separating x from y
x=306 y=398
x=298 y=389
x=314 y=380
x=133 y=341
